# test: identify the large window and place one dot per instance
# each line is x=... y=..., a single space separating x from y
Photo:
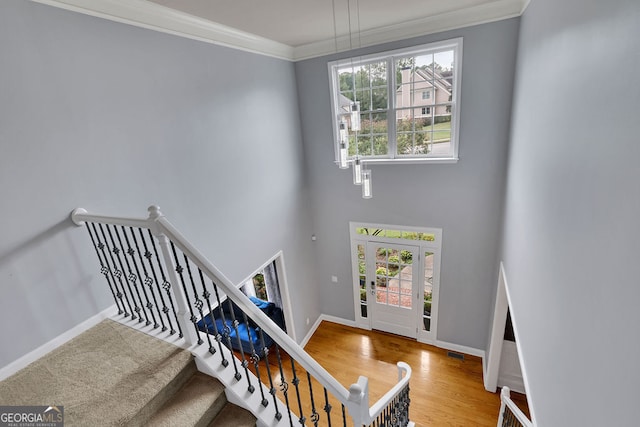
x=398 y=106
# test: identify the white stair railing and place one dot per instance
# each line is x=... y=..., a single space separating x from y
x=510 y=414
x=157 y=277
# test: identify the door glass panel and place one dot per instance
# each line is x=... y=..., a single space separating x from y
x=394 y=277
x=362 y=271
x=428 y=290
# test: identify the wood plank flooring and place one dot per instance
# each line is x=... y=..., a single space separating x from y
x=444 y=391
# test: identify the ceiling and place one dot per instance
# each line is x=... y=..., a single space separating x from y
x=298 y=29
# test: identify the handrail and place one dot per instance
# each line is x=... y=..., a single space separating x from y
x=506 y=402
x=404 y=375
x=355 y=399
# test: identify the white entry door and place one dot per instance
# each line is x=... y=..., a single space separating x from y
x=393 y=274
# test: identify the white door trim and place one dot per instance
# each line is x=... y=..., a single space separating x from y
x=278 y=258
x=434 y=246
x=494 y=352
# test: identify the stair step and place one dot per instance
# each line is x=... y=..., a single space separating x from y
x=233 y=416
x=108 y=375
x=196 y=404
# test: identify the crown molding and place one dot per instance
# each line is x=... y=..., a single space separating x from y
x=489 y=12
x=146 y=14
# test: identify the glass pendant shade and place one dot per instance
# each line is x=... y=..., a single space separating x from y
x=366 y=184
x=355 y=116
x=343 y=156
x=357 y=171
x=344 y=132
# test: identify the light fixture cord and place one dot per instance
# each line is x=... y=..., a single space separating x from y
x=335 y=27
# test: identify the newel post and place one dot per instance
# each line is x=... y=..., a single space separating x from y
x=183 y=314
x=358 y=404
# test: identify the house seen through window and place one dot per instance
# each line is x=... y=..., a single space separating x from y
x=400 y=105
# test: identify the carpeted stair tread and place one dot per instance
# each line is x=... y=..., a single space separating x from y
x=196 y=404
x=109 y=375
x=233 y=416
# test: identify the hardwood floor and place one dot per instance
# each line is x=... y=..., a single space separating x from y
x=444 y=391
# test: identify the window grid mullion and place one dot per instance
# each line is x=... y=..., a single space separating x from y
x=391 y=114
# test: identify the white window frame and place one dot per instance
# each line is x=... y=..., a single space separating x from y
x=389 y=56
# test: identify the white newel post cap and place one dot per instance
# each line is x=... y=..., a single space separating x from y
x=154 y=212
x=74 y=216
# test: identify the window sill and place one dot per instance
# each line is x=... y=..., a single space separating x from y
x=408 y=161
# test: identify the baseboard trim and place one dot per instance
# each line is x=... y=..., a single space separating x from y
x=460 y=348
x=36 y=354
x=328 y=318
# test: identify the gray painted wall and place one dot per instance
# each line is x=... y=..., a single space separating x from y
x=114 y=118
x=571 y=234
x=464 y=199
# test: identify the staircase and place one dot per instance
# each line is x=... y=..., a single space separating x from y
x=113 y=375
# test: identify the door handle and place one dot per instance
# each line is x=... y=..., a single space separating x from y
x=373 y=287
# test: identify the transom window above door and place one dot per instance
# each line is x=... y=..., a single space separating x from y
x=398 y=106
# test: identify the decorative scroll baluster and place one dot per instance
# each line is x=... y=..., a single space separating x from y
x=272 y=389
x=255 y=358
x=131 y=278
x=132 y=253
x=218 y=336
x=245 y=363
x=226 y=332
x=198 y=302
x=206 y=295
x=105 y=270
x=180 y=270
x=327 y=407
x=119 y=273
x=284 y=387
x=315 y=416
x=296 y=382
x=166 y=285
x=146 y=281
x=147 y=255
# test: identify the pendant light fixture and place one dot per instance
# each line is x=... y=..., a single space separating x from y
x=349 y=122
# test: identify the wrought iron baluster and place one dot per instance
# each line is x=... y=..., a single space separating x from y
x=245 y=362
x=327 y=406
x=206 y=295
x=272 y=389
x=218 y=336
x=198 y=304
x=296 y=382
x=180 y=270
x=130 y=278
x=344 y=416
x=255 y=358
x=147 y=280
x=166 y=285
x=226 y=332
x=114 y=252
x=315 y=416
x=284 y=387
x=132 y=253
x=147 y=255
x=106 y=271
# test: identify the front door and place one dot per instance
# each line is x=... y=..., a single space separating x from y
x=393 y=285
